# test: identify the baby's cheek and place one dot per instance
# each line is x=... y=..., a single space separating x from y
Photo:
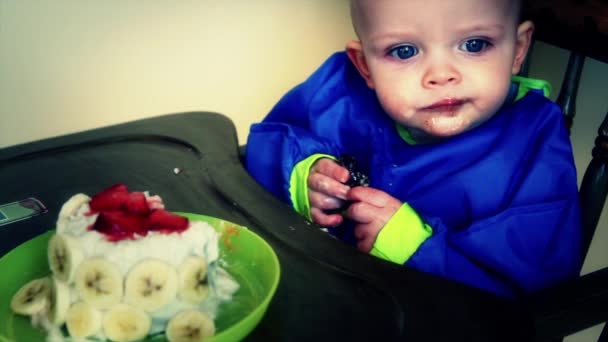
x=492 y=95
x=400 y=111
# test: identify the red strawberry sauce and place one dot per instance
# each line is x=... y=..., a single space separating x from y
x=127 y=215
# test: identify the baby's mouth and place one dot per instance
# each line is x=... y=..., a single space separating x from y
x=446 y=106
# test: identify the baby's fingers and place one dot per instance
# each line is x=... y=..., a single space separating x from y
x=374 y=197
x=331 y=169
x=324 y=219
x=366 y=237
x=366 y=244
x=328 y=186
x=323 y=202
x=362 y=212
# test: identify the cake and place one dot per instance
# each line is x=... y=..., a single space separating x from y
x=123 y=268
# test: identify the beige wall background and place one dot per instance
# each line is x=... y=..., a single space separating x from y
x=73 y=65
x=69 y=65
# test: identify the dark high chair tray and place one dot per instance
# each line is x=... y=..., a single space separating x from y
x=328 y=291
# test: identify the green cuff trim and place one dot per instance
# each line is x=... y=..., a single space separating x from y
x=401 y=236
x=526 y=84
x=298 y=184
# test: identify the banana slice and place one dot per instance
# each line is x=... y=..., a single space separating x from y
x=69 y=209
x=124 y=323
x=99 y=283
x=64 y=254
x=83 y=320
x=151 y=284
x=60 y=302
x=190 y=325
x=32 y=297
x=194 y=287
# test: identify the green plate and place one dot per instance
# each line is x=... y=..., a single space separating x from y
x=246 y=256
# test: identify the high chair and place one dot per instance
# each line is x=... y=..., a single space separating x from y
x=581 y=27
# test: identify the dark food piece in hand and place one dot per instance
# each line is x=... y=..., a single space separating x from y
x=357 y=178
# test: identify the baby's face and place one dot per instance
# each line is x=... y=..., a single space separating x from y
x=439 y=67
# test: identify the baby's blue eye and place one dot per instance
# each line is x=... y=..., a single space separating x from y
x=403 y=51
x=475 y=45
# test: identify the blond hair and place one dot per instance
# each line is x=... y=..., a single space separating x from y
x=357 y=17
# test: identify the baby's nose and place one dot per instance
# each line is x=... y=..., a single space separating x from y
x=440 y=75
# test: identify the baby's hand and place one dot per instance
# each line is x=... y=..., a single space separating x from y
x=326 y=191
x=371 y=209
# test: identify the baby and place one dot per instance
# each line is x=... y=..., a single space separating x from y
x=470 y=167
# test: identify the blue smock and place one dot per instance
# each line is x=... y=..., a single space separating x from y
x=502 y=198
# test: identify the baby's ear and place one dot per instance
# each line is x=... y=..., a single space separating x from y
x=354 y=50
x=522 y=44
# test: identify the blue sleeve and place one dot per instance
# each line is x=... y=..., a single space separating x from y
x=273 y=149
x=518 y=251
x=534 y=241
x=291 y=132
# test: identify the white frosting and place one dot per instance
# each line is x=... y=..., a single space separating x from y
x=200 y=239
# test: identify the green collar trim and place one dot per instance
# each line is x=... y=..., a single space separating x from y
x=405 y=134
x=524 y=86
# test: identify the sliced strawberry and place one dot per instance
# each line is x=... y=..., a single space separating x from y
x=112 y=198
x=124 y=215
x=136 y=204
x=118 y=225
x=164 y=221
